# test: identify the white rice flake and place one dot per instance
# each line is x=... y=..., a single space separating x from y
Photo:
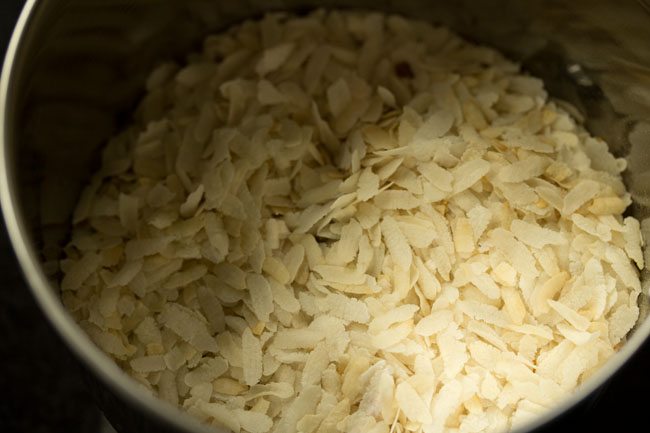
x=394 y=199
x=536 y=236
x=252 y=357
x=317 y=362
x=468 y=173
x=444 y=404
x=261 y=296
x=80 y=271
x=517 y=254
x=368 y=185
x=571 y=316
x=412 y=404
x=346 y=308
x=435 y=126
x=338 y=97
x=274 y=57
x=396 y=315
x=126 y=274
x=434 y=323
x=452 y=350
x=253 y=422
x=188 y=326
x=579 y=195
x=525 y=169
x=396 y=243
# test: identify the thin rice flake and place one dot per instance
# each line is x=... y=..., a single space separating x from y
x=217 y=235
x=368 y=185
x=574 y=318
x=398 y=314
x=188 y=326
x=128 y=211
x=621 y=322
x=297 y=339
x=591 y=226
x=548 y=290
x=444 y=405
x=438 y=176
x=338 y=97
x=452 y=350
x=294 y=259
x=284 y=297
x=268 y=94
x=252 y=358
x=516 y=252
x=126 y=273
x=148 y=364
x=398 y=247
x=580 y=194
x=505 y=274
x=340 y=274
x=253 y=422
x=463 y=236
x=412 y=404
x=578 y=338
x=389 y=168
x=486 y=285
x=479 y=218
x=396 y=199
x=281 y=390
x=346 y=308
x=535 y=235
x=310 y=217
x=220 y=413
x=390 y=337
x=302 y=405
x=211 y=308
x=386 y=96
x=523 y=170
x=633 y=240
x=623 y=267
x=273 y=58
x=468 y=173
x=434 y=323
x=317 y=362
x=368 y=215
x=276 y=269
x=206 y=372
x=435 y=126
x=261 y=296
x=138 y=248
x=427 y=282
x=345 y=250
x=191 y=203
x=80 y=271
x=484 y=312
x=315 y=67
x=607 y=206
x=321 y=193
x=185 y=277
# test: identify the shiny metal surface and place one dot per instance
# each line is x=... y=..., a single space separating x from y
x=75 y=68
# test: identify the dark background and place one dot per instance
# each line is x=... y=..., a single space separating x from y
x=41 y=390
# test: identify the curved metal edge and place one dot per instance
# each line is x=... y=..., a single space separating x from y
x=104 y=367
x=99 y=363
